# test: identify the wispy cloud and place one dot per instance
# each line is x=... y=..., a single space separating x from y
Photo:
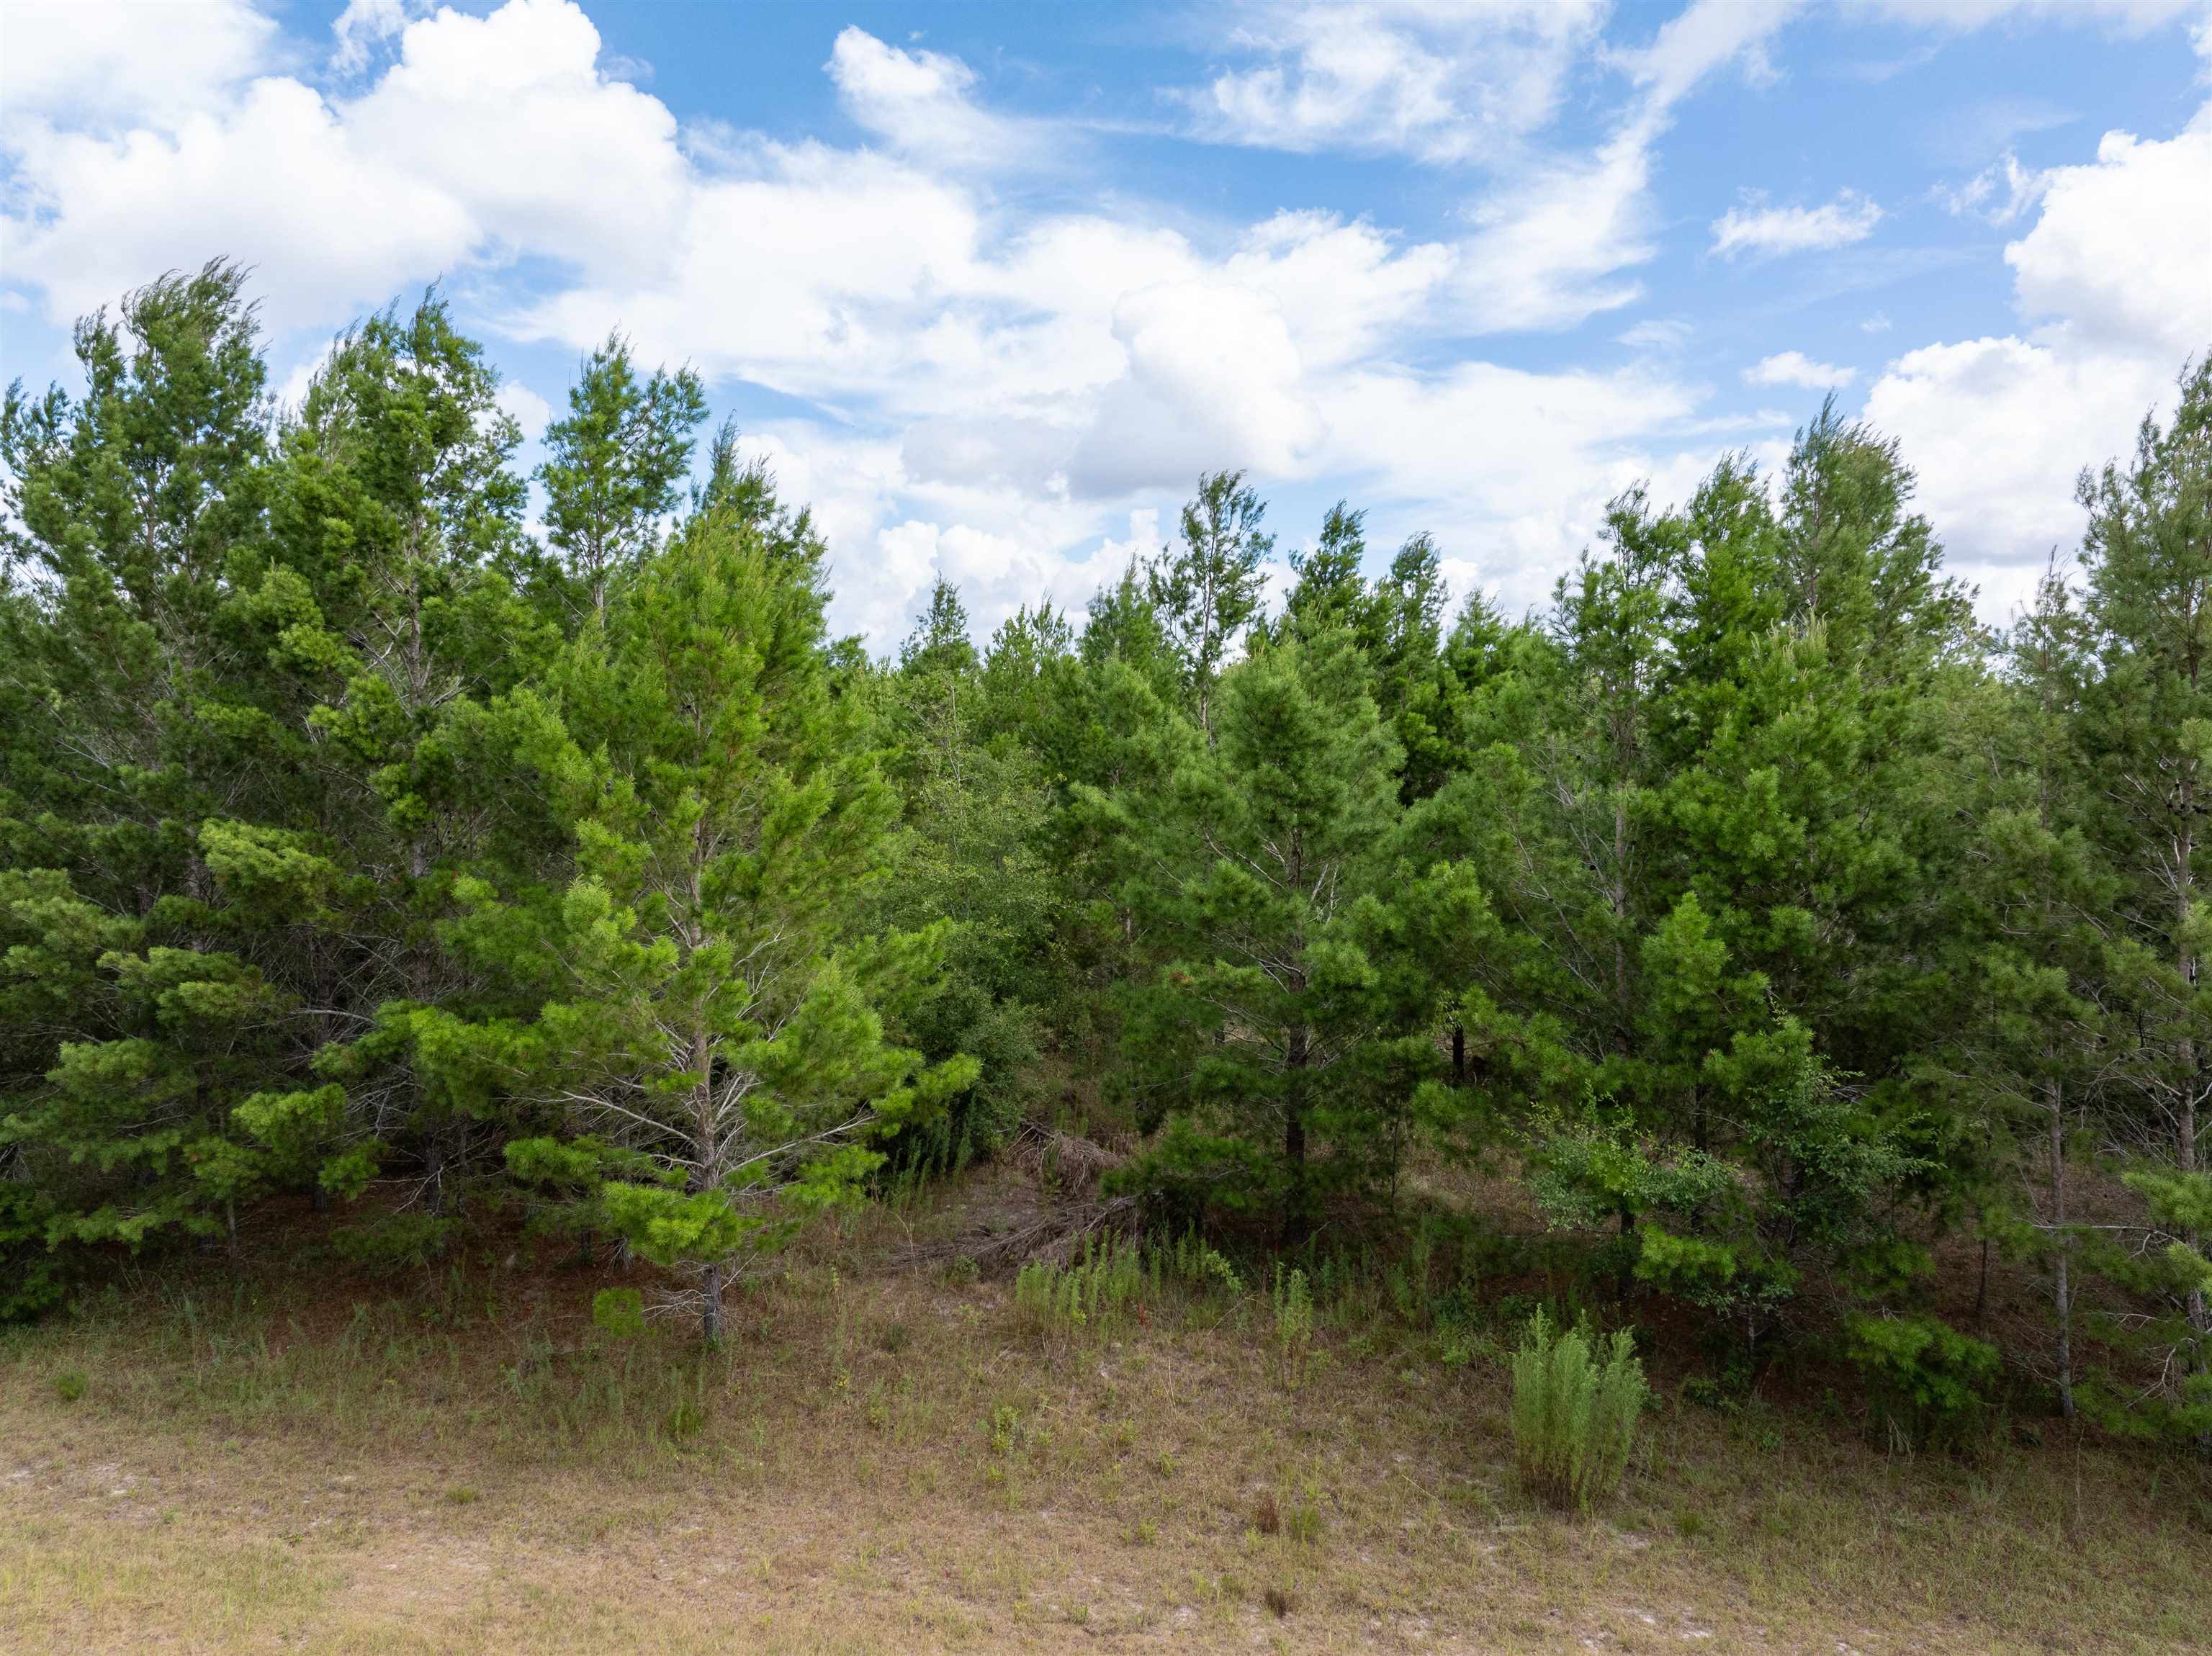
x=1758 y=230
x=1795 y=368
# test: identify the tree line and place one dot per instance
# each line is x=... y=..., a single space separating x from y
x=1782 y=929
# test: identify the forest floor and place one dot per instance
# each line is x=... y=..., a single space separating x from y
x=883 y=1458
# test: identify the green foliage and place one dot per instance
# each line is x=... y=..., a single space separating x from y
x=360 y=841
x=1927 y=1384
x=1293 y=1307
x=1091 y=1295
x=1575 y=1401
x=619 y=1311
x=1188 y=1260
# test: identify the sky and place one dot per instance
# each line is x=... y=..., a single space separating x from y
x=989 y=285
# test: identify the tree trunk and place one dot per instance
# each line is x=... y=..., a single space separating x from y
x=1459 y=1056
x=710 y=1314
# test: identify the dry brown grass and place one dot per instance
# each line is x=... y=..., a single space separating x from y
x=887 y=1465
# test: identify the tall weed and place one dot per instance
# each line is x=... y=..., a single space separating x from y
x=1576 y=1399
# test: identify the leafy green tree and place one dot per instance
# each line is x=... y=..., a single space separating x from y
x=2028 y=919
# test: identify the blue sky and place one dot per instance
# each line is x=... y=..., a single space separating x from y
x=990 y=284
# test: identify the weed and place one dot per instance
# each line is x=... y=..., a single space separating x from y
x=1574 y=1410
x=1294 y=1326
x=1192 y=1263
x=1085 y=1296
x=462 y=1495
x=70 y=1384
x=1267 y=1518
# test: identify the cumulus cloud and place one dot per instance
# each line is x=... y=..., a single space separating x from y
x=487 y=137
x=2113 y=277
x=1754 y=228
x=102 y=66
x=364 y=26
x=1795 y=368
x=992 y=390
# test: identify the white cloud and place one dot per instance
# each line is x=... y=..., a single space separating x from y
x=529 y=411
x=97 y=66
x=1795 y=368
x=1702 y=37
x=919 y=102
x=1878 y=322
x=1754 y=228
x=1658 y=334
x=2123 y=249
x=1213 y=371
x=487 y=137
x=1552 y=249
x=994 y=390
x=2114 y=272
x=1440 y=83
x=1550 y=252
x=1999 y=193
x=364 y=26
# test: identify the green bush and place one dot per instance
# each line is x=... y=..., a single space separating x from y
x=1576 y=1399
x=1928 y=1383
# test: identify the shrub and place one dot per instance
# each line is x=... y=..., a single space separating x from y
x=1575 y=1405
x=1928 y=1383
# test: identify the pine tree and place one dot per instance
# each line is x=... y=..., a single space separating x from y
x=1254 y=877
x=2028 y=916
x=711 y=1010
x=2147 y=726
x=147 y=1049
x=1208 y=593
x=612 y=467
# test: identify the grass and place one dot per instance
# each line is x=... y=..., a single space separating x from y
x=284 y=1459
